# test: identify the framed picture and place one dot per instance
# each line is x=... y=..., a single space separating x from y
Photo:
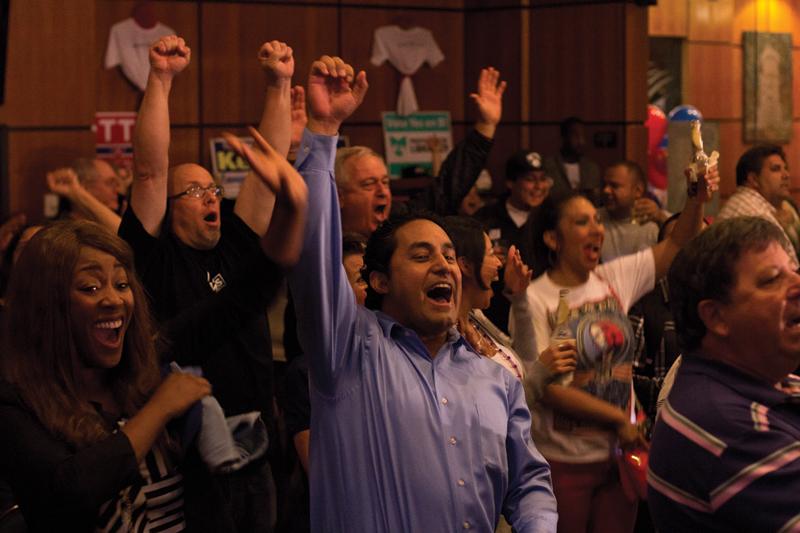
x=767 y=75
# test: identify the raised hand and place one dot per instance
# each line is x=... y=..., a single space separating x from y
x=178 y=392
x=489 y=99
x=277 y=61
x=645 y=210
x=169 y=56
x=299 y=116
x=283 y=240
x=708 y=184
x=63 y=182
x=334 y=93
x=517 y=275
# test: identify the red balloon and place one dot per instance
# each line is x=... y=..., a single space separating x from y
x=656 y=127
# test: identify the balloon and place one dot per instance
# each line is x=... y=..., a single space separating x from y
x=684 y=113
x=656 y=127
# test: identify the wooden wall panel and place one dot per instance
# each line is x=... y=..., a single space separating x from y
x=232 y=80
x=506 y=142
x=713 y=79
x=116 y=93
x=710 y=20
x=484 y=34
x=438 y=88
x=444 y=4
x=669 y=19
x=636 y=144
x=765 y=15
x=731 y=148
x=582 y=70
x=184 y=146
x=50 y=69
x=31 y=155
x=637 y=55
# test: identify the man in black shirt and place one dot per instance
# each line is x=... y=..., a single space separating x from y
x=203 y=266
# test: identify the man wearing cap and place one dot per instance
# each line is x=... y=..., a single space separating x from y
x=528 y=186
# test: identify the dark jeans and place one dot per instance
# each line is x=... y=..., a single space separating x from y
x=250 y=497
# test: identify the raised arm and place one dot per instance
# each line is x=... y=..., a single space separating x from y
x=64 y=182
x=168 y=57
x=255 y=202
x=689 y=223
x=324 y=301
x=464 y=163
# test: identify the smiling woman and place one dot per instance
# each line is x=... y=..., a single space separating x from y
x=83 y=407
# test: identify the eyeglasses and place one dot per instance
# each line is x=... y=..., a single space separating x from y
x=196 y=191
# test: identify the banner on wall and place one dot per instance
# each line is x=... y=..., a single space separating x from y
x=406 y=139
x=229 y=168
x=114 y=137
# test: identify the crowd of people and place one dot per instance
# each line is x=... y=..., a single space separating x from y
x=570 y=357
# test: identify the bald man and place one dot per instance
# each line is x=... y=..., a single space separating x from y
x=203 y=266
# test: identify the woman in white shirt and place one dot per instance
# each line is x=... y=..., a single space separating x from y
x=581 y=421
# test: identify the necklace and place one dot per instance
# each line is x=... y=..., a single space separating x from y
x=486 y=346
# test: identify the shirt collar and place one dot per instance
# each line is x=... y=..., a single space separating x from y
x=754 y=196
x=394 y=330
x=788 y=390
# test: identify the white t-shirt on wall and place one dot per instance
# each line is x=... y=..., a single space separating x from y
x=407 y=50
x=598 y=320
x=129 y=46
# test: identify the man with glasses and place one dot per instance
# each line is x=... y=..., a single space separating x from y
x=203 y=266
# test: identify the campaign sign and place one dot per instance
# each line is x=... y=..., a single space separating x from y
x=114 y=137
x=229 y=167
x=406 y=139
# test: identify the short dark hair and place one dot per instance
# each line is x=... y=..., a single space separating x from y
x=353 y=243
x=634 y=169
x=532 y=247
x=568 y=123
x=467 y=234
x=706 y=270
x=753 y=159
x=382 y=244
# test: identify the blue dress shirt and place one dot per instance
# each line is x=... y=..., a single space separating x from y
x=402 y=442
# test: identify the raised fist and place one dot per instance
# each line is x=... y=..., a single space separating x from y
x=334 y=93
x=277 y=60
x=169 y=55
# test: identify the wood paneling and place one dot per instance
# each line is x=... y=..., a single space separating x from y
x=438 y=88
x=399 y=4
x=669 y=19
x=184 y=146
x=710 y=20
x=31 y=155
x=486 y=33
x=233 y=83
x=116 y=93
x=717 y=95
x=731 y=148
x=50 y=69
x=765 y=15
x=580 y=71
x=636 y=144
x=637 y=55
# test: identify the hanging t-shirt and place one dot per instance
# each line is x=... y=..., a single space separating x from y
x=407 y=50
x=129 y=46
x=598 y=321
x=573 y=172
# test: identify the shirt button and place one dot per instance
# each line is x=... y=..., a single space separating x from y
x=452 y=441
x=444 y=401
x=466 y=525
x=461 y=483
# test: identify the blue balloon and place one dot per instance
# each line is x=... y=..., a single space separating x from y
x=684 y=113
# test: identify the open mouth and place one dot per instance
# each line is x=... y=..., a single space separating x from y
x=211 y=217
x=592 y=252
x=108 y=332
x=441 y=293
x=380 y=211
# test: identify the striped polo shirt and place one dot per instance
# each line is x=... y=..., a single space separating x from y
x=725 y=454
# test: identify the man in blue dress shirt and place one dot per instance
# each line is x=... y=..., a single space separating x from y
x=411 y=430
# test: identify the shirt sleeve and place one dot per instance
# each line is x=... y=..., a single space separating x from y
x=434 y=55
x=530 y=505
x=112 y=50
x=324 y=302
x=631 y=276
x=380 y=52
x=143 y=244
